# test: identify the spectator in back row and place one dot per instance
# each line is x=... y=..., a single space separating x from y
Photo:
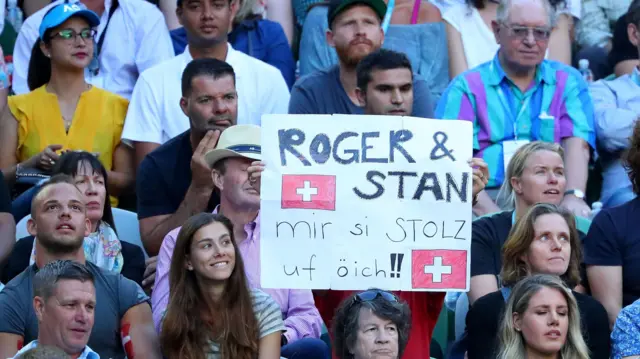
x=174 y=181
x=236 y=176
x=64 y=112
x=60 y=224
x=257 y=37
x=354 y=31
x=519 y=97
x=371 y=324
x=544 y=241
x=212 y=312
x=472 y=41
x=612 y=246
x=155 y=115
x=64 y=302
x=617 y=105
x=594 y=33
x=131 y=38
x=102 y=247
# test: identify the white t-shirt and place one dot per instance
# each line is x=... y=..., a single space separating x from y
x=155 y=115
x=478 y=40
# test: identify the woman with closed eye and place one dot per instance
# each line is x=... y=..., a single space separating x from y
x=544 y=241
x=62 y=111
x=541 y=320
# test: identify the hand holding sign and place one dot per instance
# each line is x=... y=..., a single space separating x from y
x=480 y=175
x=353 y=202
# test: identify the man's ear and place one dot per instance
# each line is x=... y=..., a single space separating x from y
x=184 y=104
x=217 y=179
x=235 y=6
x=632 y=32
x=38 y=306
x=179 y=14
x=362 y=96
x=496 y=30
x=329 y=37
x=32 y=228
x=87 y=226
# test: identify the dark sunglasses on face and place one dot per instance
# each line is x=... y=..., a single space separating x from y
x=69 y=34
x=522 y=32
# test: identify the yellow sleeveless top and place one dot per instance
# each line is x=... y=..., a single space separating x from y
x=96 y=125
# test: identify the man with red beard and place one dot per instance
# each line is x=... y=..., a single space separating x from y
x=355 y=32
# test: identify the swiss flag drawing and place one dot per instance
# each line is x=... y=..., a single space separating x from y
x=439 y=269
x=309 y=192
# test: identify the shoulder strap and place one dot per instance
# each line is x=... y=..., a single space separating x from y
x=416 y=12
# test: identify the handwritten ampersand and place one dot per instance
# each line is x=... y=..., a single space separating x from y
x=440 y=138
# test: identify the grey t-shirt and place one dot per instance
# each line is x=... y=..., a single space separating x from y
x=268 y=315
x=115 y=295
x=321 y=93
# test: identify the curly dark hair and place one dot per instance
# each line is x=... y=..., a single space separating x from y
x=345 y=322
x=632 y=160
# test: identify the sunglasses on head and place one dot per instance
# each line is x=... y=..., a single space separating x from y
x=369 y=295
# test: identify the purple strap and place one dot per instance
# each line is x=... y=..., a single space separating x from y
x=416 y=12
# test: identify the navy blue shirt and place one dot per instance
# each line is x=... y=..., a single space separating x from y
x=164 y=177
x=264 y=40
x=614 y=240
x=321 y=93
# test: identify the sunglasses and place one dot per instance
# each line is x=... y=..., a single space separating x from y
x=522 y=32
x=369 y=295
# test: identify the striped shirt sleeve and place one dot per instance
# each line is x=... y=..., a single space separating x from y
x=456 y=103
x=267 y=313
x=578 y=117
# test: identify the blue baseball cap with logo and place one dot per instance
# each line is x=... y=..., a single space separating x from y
x=60 y=13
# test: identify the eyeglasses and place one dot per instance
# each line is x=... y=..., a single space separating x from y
x=369 y=295
x=522 y=32
x=69 y=34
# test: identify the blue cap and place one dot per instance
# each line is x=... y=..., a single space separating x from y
x=60 y=13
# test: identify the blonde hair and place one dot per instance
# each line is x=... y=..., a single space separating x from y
x=512 y=342
x=516 y=167
x=521 y=236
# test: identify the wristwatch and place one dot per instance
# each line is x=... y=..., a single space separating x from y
x=575 y=192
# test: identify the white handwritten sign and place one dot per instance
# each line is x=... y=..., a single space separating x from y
x=353 y=202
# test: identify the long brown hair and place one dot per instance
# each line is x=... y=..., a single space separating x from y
x=523 y=234
x=190 y=322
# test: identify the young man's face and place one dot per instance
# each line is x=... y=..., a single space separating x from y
x=390 y=92
x=206 y=22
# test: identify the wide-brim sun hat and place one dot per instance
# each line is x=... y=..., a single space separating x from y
x=61 y=13
x=236 y=141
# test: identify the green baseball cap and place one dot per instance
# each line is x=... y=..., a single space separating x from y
x=338 y=6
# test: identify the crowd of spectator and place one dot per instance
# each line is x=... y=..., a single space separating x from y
x=132 y=111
